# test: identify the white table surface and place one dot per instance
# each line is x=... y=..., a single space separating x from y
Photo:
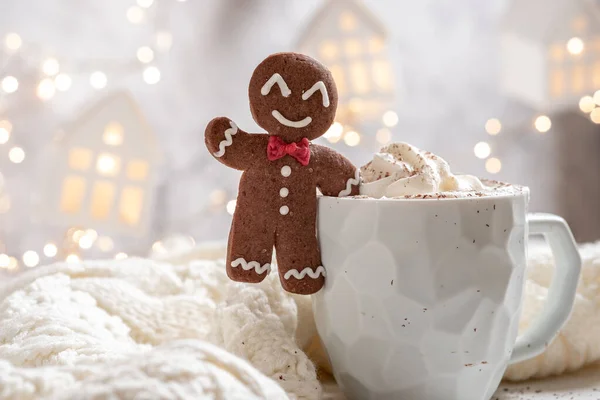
x=584 y=385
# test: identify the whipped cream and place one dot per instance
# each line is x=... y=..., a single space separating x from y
x=403 y=170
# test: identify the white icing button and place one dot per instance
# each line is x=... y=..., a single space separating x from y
x=284 y=210
x=284 y=192
x=286 y=171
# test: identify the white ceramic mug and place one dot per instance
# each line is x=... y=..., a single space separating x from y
x=423 y=297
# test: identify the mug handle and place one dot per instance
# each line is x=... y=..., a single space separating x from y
x=561 y=294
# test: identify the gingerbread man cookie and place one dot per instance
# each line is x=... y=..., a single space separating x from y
x=294 y=98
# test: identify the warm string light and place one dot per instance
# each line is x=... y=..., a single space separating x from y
x=105 y=244
x=135 y=15
x=591 y=105
x=62 y=82
x=85 y=242
x=390 y=119
x=5 y=130
x=493 y=126
x=72 y=258
x=50 y=67
x=542 y=124
x=98 y=80
x=218 y=197
x=120 y=256
x=16 y=155
x=145 y=54
x=352 y=138
x=12 y=41
x=159 y=248
x=4 y=261
x=493 y=165
x=84 y=238
x=595 y=116
x=31 y=258
x=46 y=89
x=334 y=133
x=383 y=136
x=482 y=150
x=151 y=75
x=9 y=84
x=575 y=46
x=12 y=263
x=231 y=206
x=50 y=250
x=586 y=104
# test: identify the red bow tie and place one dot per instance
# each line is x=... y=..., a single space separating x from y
x=277 y=148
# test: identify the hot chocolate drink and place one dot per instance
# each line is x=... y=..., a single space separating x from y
x=400 y=170
x=422 y=297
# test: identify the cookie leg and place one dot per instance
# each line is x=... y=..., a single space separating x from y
x=249 y=250
x=299 y=260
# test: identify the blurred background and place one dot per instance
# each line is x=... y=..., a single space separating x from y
x=103 y=105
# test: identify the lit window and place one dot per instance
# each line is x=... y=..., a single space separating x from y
x=80 y=159
x=382 y=75
x=360 y=77
x=596 y=75
x=557 y=52
x=130 y=206
x=578 y=85
x=347 y=21
x=375 y=45
x=137 y=170
x=102 y=199
x=352 y=48
x=73 y=192
x=328 y=50
x=339 y=78
x=108 y=164
x=113 y=134
x=557 y=82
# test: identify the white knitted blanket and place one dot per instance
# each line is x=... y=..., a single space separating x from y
x=180 y=329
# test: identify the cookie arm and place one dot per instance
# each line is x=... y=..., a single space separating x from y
x=336 y=175
x=232 y=146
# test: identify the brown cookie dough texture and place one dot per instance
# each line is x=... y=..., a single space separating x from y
x=292 y=96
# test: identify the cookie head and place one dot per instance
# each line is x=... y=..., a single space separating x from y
x=293 y=96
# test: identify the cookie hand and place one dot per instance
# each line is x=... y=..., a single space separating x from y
x=230 y=145
x=336 y=175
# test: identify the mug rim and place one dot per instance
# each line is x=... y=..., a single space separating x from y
x=523 y=192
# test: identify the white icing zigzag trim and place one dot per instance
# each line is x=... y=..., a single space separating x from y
x=306 y=271
x=246 y=266
x=351 y=181
x=228 y=139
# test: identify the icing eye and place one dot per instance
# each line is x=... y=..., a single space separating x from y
x=319 y=86
x=276 y=79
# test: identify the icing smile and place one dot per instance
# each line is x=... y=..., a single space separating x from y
x=292 y=124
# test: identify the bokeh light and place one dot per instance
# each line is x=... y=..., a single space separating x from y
x=543 y=124
x=482 y=150
x=575 y=46
x=493 y=126
x=390 y=119
x=493 y=165
x=352 y=138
